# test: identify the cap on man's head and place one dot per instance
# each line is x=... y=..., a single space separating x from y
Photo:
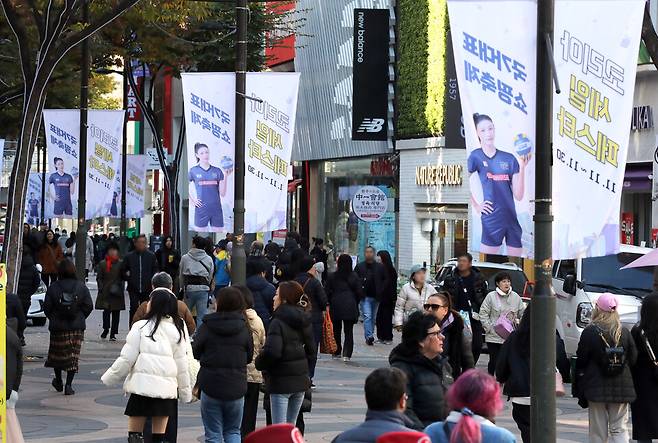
x=607 y=302
x=404 y=437
x=281 y=433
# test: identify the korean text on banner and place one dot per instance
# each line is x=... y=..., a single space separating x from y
x=33 y=198
x=270 y=127
x=209 y=102
x=591 y=121
x=495 y=63
x=136 y=185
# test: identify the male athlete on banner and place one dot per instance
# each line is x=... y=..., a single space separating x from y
x=62 y=188
x=208 y=190
x=503 y=180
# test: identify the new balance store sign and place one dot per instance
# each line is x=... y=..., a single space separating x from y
x=370 y=74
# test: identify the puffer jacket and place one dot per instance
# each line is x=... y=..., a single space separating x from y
x=224 y=347
x=410 y=300
x=258 y=337
x=153 y=367
x=494 y=305
x=427 y=384
x=592 y=384
x=263 y=292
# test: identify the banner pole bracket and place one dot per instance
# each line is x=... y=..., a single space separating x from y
x=256 y=99
x=549 y=47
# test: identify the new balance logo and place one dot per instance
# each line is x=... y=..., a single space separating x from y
x=371 y=125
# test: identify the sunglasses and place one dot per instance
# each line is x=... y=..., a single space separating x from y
x=432 y=306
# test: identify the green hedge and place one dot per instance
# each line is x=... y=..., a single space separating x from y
x=422 y=29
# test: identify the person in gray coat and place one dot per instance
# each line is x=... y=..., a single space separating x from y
x=386 y=400
x=196 y=270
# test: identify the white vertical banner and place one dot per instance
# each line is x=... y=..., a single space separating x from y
x=33 y=198
x=495 y=45
x=2 y=153
x=596 y=69
x=136 y=185
x=270 y=126
x=209 y=102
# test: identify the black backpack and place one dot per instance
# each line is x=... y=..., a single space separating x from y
x=68 y=303
x=614 y=357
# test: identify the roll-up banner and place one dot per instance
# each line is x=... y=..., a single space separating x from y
x=495 y=64
x=370 y=74
x=104 y=138
x=596 y=69
x=33 y=198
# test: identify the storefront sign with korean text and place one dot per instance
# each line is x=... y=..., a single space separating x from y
x=369 y=203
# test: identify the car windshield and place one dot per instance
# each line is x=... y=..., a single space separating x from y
x=518 y=278
x=603 y=274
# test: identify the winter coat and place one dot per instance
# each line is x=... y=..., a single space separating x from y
x=490 y=433
x=513 y=366
x=60 y=320
x=410 y=300
x=260 y=262
x=169 y=261
x=427 y=384
x=138 y=269
x=288 y=347
x=224 y=346
x=49 y=257
x=89 y=253
x=591 y=382
x=344 y=294
x=199 y=266
x=14 y=362
x=645 y=376
x=110 y=287
x=29 y=278
x=183 y=312
x=377 y=423
x=15 y=310
x=153 y=367
x=314 y=290
x=454 y=285
x=457 y=345
x=263 y=292
x=373 y=277
x=390 y=289
x=493 y=307
x=258 y=337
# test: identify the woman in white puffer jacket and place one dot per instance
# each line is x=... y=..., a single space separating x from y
x=412 y=296
x=154 y=365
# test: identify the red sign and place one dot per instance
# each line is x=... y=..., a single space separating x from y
x=280 y=44
x=382 y=167
x=627 y=236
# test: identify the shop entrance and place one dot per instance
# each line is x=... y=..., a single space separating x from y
x=447 y=226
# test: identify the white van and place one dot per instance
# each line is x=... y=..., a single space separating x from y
x=579 y=283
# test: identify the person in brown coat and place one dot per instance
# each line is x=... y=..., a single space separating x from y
x=50 y=254
x=111 y=298
x=163 y=280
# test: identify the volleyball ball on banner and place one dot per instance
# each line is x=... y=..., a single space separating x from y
x=522 y=145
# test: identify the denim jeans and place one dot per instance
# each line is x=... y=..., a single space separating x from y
x=198 y=299
x=221 y=419
x=369 y=310
x=285 y=407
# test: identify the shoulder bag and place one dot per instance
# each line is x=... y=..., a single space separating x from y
x=503 y=326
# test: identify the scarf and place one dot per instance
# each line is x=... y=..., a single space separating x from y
x=108 y=262
x=447 y=322
x=503 y=293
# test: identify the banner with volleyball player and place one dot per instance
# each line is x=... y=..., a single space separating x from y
x=495 y=66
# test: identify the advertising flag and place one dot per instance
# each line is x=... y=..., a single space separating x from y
x=596 y=70
x=495 y=59
x=33 y=198
x=136 y=186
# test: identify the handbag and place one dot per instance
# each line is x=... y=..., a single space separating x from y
x=560 y=391
x=503 y=326
x=116 y=290
x=328 y=344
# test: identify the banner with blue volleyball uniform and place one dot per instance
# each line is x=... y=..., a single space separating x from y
x=495 y=63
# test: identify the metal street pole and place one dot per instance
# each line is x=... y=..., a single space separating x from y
x=124 y=163
x=239 y=256
x=542 y=333
x=43 y=184
x=81 y=233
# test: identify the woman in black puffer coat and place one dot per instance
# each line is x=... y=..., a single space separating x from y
x=428 y=374
x=344 y=293
x=289 y=347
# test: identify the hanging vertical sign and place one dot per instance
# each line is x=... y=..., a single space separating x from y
x=33 y=198
x=2 y=153
x=136 y=186
x=596 y=70
x=494 y=48
x=270 y=125
x=209 y=102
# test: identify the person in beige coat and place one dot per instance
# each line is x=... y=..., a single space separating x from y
x=412 y=296
x=254 y=376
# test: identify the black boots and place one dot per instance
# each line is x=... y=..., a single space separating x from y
x=135 y=437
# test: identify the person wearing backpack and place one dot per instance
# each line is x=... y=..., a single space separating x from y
x=196 y=269
x=645 y=372
x=67 y=305
x=606 y=352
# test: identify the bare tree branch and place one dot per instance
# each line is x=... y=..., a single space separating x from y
x=22 y=41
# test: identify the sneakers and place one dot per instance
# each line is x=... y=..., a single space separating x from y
x=68 y=390
x=313 y=386
x=370 y=341
x=113 y=338
x=346 y=359
x=104 y=334
x=57 y=384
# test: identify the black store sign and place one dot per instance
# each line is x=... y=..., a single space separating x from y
x=370 y=74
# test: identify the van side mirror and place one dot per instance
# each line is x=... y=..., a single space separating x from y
x=570 y=284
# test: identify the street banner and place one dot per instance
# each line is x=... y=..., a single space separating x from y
x=370 y=74
x=2 y=153
x=270 y=126
x=209 y=102
x=104 y=138
x=33 y=198
x=136 y=186
x=495 y=64
x=596 y=71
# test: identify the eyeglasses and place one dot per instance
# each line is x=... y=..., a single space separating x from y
x=436 y=334
x=433 y=307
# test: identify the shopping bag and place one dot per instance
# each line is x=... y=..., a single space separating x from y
x=328 y=344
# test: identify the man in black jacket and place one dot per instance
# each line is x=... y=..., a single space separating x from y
x=29 y=278
x=468 y=289
x=373 y=276
x=139 y=266
x=15 y=310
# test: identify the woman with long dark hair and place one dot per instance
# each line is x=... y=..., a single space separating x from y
x=154 y=365
x=344 y=293
x=50 y=255
x=384 y=318
x=169 y=260
x=645 y=372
